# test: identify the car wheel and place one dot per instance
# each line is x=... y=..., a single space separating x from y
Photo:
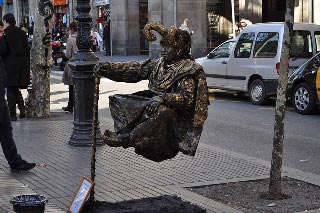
x=304 y=99
x=257 y=92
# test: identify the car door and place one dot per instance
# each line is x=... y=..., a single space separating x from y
x=240 y=63
x=215 y=65
x=301 y=49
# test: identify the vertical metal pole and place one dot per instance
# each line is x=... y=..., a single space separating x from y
x=233 y=19
x=72 y=11
x=69 y=11
x=16 y=11
x=95 y=124
x=310 y=11
x=111 y=47
x=175 y=13
x=82 y=64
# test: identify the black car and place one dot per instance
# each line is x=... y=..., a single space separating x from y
x=304 y=86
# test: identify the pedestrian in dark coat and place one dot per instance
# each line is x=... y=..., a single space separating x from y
x=8 y=145
x=106 y=37
x=17 y=65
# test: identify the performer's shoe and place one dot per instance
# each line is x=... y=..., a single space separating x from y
x=110 y=138
x=114 y=140
x=125 y=139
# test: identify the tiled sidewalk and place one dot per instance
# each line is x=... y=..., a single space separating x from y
x=10 y=187
x=121 y=174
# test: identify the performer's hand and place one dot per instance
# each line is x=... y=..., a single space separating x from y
x=154 y=105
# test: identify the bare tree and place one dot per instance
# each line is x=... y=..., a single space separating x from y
x=277 y=153
x=38 y=100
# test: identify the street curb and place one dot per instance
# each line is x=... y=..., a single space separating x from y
x=286 y=171
x=178 y=189
x=209 y=204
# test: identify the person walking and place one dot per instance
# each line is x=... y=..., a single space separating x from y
x=94 y=40
x=185 y=26
x=106 y=37
x=30 y=30
x=23 y=28
x=17 y=65
x=241 y=25
x=8 y=145
x=71 y=49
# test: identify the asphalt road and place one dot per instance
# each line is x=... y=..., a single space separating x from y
x=235 y=124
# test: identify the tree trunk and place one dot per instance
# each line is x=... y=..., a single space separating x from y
x=277 y=153
x=38 y=100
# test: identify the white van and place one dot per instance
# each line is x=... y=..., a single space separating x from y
x=251 y=62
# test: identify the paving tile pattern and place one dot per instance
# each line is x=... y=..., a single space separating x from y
x=10 y=187
x=121 y=174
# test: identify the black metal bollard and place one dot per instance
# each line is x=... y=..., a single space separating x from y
x=82 y=64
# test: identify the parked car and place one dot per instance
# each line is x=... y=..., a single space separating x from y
x=304 y=86
x=252 y=62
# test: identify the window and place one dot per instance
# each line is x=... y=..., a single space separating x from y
x=317 y=37
x=223 y=51
x=301 y=46
x=244 y=45
x=315 y=63
x=266 y=45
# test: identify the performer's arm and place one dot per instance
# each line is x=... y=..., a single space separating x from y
x=129 y=72
x=185 y=95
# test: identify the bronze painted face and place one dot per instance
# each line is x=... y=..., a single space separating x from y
x=176 y=45
x=168 y=54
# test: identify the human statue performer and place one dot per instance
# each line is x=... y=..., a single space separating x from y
x=168 y=117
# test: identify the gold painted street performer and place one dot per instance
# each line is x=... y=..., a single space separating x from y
x=168 y=117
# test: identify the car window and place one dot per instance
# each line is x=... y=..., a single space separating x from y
x=301 y=46
x=244 y=45
x=315 y=62
x=317 y=38
x=266 y=45
x=223 y=51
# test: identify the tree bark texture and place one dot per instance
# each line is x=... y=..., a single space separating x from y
x=38 y=100
x=278 y=138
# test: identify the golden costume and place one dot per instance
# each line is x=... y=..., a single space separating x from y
x=168 y=117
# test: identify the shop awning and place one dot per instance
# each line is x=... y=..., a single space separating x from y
x=59 y=2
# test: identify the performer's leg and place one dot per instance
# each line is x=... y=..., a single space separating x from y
x=120 y=120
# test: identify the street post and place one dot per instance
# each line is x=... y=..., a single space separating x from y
x=82 y=64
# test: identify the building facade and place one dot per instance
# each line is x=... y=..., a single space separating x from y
x=211 y=20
